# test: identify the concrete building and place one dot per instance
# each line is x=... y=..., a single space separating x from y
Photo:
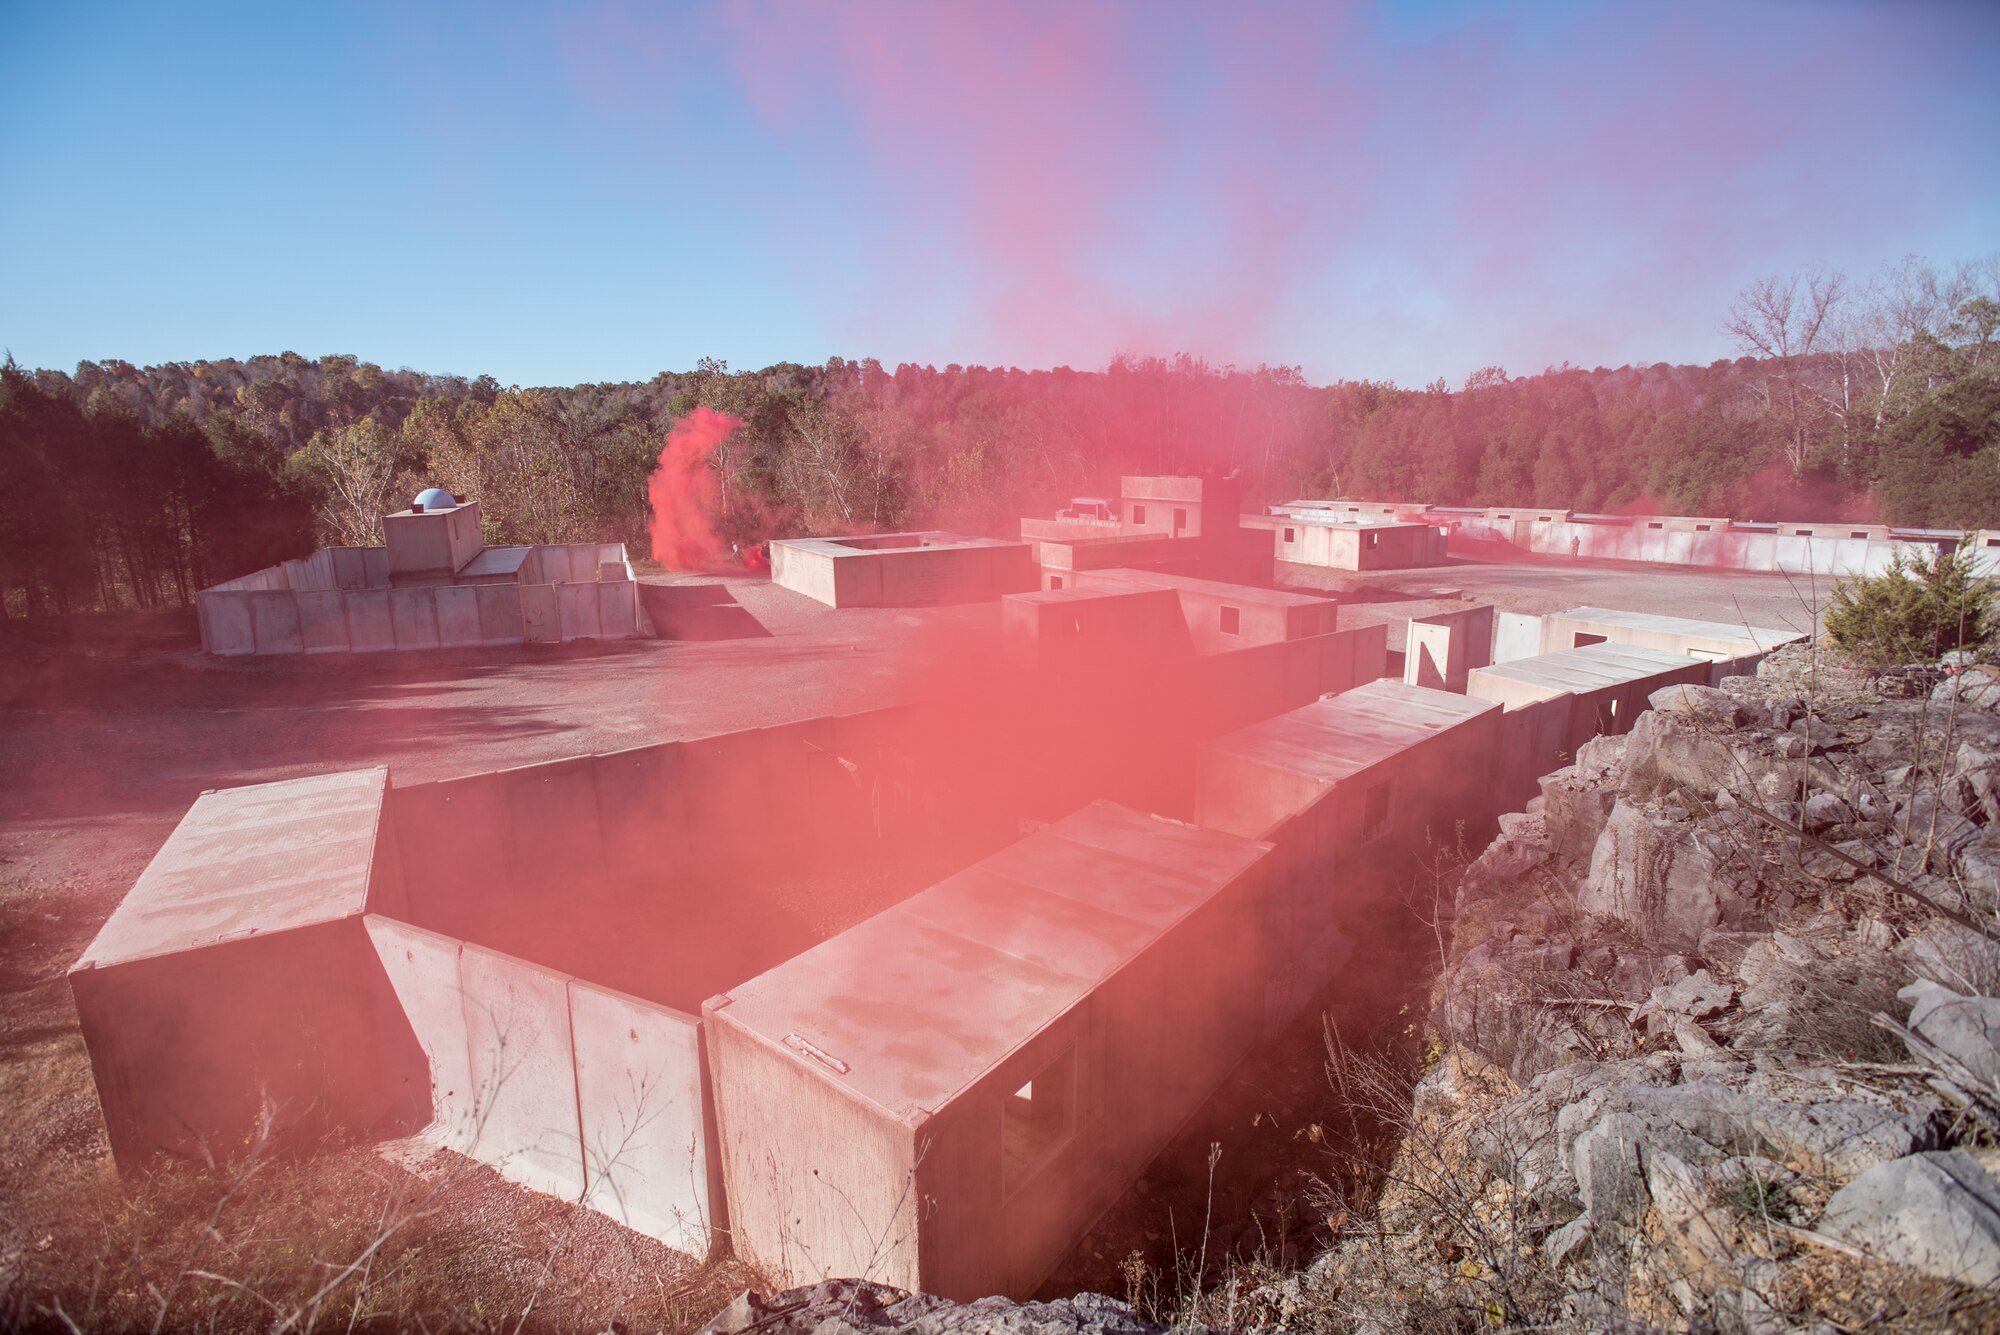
x=1715 y=541
x=901 y=569
x=945 y=1096
x=1354 y=792
x=434 y=585
x=1556 y=702
x=1339 y=540
x=1441 y=649
x=1732 y=648
x=1181 y=525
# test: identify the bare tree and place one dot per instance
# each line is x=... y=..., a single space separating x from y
x=1787 y=322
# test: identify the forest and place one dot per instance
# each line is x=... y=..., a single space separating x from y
x=133 y=487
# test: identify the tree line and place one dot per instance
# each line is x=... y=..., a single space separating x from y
x=123 y=486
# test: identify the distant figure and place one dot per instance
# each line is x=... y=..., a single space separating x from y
x=736 y=553
x=1575 y=546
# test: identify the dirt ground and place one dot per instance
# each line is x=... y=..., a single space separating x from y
x=109 y=730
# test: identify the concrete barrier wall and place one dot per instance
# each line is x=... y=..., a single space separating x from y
x=1789 y=548
x=558 y=1084
x=337 y=618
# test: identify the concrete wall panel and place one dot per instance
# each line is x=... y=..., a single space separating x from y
x=274 y=620
x=552 y=823
x=524 y=1076
x=369 y=624
x=458 y=617
x=187 y=1046
x=499 y=613
x=413 y=614
x=456 y=850
x=323 y=621
x=350 y=568
x=618 y=609
x=640 y=1098
x=422 y=968
x=541 y=614
x=578 y=609
x=642 y=812
x=225 y=623
x=1516 y=635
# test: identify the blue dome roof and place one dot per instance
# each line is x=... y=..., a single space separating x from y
x=434 y=498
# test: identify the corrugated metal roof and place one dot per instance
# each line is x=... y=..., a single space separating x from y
x=914 y=1005
x=1591 y=668
x=1338 y=737
x=247 y=861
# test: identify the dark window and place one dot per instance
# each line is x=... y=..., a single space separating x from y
x=1374 y=539
x=1656 y=526
x=1503 y=516
x=1180 y=520
x=1288 y=535
x=1857 y=535
x=1701 y=528
x=1541 y=519
x=1993 y=542
x=1375 y=811
x=1802 y=533
x=1055 y=581
x=1582 y=638
x=1138 y=514
x=1035 y=1121
x=1232 y=620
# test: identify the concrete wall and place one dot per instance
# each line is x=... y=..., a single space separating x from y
x=1516 y=635
x=940 y=571
x=1541 y=735
x=341 y=620
x=1731 y=651
x=1716 y=543
x=1440 y=649
x=1359 y=547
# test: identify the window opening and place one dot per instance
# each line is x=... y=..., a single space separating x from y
x=1375 y=811
x=1138 y=514
x=1581 y=638
x=1036 y=1120
x=1232 y=620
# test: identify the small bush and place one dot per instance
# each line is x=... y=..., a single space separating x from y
x=1912 y=612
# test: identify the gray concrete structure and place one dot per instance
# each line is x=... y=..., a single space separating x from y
x=901 y=569
x=1821 y=548
x=435 y=585
x=1732 y=648
x=1558 y=701
x=1340 y=540
x=944 y=1096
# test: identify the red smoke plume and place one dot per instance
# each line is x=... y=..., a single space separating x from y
x=685 y=496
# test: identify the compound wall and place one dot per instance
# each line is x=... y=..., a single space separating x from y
x=432 y=616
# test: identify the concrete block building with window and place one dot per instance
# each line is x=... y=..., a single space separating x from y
x=945 y=1096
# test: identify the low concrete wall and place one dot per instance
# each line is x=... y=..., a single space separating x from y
x=340 y=620
x=1716 y=543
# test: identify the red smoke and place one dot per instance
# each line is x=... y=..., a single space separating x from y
x=686 y=497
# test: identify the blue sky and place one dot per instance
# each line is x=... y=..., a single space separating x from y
x=600 y=192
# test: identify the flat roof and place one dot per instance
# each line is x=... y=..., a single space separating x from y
x=496 y=561
x=912 y=1007
x=876 y=544
x=1761 y=637
x=1591 y=668
x=1240 y=593
x=1342 y=519
x=253 y=860
x=1340 y=736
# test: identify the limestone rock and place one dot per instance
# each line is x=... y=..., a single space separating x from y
x=1966 y=1029
x=1707 y=704
x=1938 y=1213
x=1661 y=880
x=1575 y=811
x=857 y=1307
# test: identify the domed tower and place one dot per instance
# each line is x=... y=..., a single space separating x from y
x=433 y=539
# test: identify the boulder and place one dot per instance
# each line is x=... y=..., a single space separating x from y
x=1966 y=1029
x=1705 y=704
x=1938 y=1213
x=1574 y=810
x=1663 y=880
x=1824 y=811
x=1698 y=997
x=1976 y=687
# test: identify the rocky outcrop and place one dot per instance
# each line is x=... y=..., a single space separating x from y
x=1720 y=1011
x=855 y=1307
